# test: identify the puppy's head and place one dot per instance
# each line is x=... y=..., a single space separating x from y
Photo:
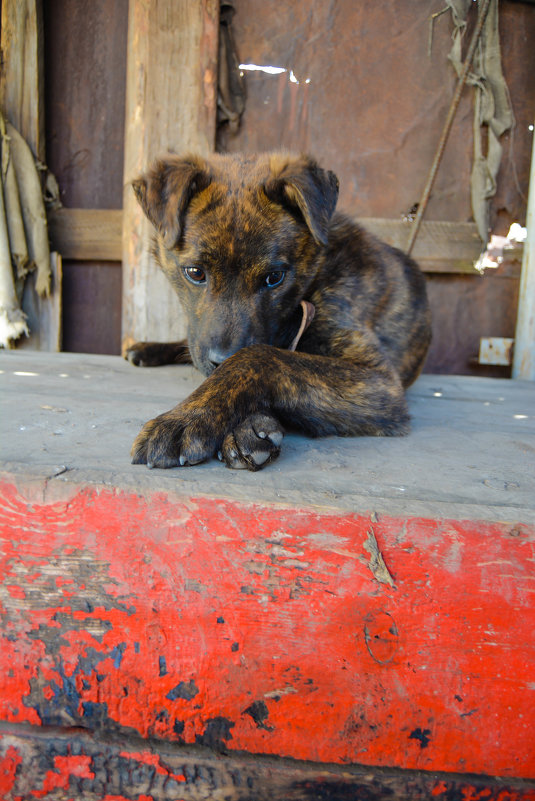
x=239 y=239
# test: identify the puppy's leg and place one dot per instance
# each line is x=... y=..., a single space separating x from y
x=153 y=354
x=319 y=395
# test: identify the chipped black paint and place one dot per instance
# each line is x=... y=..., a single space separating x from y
x=178 y=727
x=259 y=713
x=184 y=689
x=422 y=735
x=216 y=732
x=338 y=791
x=58 y=702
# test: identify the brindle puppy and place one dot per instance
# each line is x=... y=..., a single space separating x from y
x=244 y=241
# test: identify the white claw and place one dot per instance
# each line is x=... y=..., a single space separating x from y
x=259 y=457
x=276 y=438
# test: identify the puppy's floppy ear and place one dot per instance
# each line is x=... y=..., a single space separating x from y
x=165 y=191
x=298 y=182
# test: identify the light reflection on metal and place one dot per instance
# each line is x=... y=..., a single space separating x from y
x=271 y=70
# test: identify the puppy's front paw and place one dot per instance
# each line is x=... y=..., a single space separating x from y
x=153 y=354
x=173 y=440
x=253 y=444
x=141 y=354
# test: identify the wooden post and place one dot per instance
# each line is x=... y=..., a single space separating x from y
x=21 y=76
x=171 y=99
x=524 y=358
x=22 y=101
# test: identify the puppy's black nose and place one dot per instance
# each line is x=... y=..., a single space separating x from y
x=216 y=356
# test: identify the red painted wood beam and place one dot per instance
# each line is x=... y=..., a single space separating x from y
x=80 y=766
x=307 y=633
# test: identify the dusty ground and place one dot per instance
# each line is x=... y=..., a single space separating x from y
x=471 y=453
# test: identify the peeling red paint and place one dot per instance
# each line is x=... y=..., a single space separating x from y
x=172 y=617
x=15 y=592
x=150 y=758
x=124 y=798
x=64 y=769
x=8 y=767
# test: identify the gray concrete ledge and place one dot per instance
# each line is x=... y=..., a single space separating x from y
x=70 y=418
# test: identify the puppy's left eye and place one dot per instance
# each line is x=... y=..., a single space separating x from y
x=275 y=278
x=195 y=275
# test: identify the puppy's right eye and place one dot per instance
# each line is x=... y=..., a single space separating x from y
x=275 y=278
x=195 y=275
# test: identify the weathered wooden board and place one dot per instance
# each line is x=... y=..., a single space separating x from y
x=151 y=620
x=85 y=60
x=91 y=323
x=171 y=101
x=87 y=234
x=79 y=766
x=21 y=73
x=442 y=247
x=363 y=90
x=271 y=630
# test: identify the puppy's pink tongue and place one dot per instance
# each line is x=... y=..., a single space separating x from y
x=309 y=311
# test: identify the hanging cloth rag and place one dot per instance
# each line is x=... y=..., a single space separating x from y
x=492 y=106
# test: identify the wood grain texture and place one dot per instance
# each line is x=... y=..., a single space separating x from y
x=362 y=93
x=465 y=308
x=87 y=234
x=262 y=628
x=78 y=765
x=442 y=247
x=170 y=106
x=92 y=306
x=85 y=51
x=21 y=74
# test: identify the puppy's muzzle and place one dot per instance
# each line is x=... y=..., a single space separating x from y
x=216 y=356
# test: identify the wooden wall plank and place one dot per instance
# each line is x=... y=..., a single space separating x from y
x=362 y=93
x=84 y=144
x=22 y=101
x=21 y=76
x=87 y=234
x=450 y=247
x=170 y=106
x=91 y=324
x=85 y=56
x=441 y=247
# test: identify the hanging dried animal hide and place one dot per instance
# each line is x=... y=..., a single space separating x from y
x=23 y=231
x=492 y=106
